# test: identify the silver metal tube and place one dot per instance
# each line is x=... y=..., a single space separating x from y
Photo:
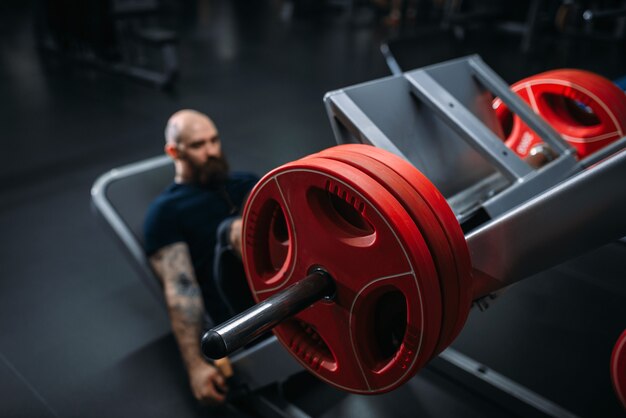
x=492 y=82
x=238 y=331
x=576 y=216
x=467 y=125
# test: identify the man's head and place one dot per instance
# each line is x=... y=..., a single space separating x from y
x=193 y=141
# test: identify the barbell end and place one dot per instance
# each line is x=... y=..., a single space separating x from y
x=213 y=346
x=243 y=328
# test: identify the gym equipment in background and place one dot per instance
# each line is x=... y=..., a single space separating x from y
x=121 y=36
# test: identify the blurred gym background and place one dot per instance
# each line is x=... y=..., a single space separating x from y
x=87 y=86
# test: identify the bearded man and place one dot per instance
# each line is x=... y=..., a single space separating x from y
x=193 y=223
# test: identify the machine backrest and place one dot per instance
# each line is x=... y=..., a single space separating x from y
x=121 y=197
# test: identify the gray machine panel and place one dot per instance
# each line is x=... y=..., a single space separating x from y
x=440 y=119
x=422 y=137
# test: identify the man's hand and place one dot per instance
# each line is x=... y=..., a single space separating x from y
x=208 y=384
x=235 y=236
x=224 y=366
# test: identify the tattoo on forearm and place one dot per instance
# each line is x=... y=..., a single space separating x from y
x=190 y=313
x=185 y=286
x=183 y=297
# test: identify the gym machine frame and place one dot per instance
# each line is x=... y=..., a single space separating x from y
x=451 y=135
x=454 y=124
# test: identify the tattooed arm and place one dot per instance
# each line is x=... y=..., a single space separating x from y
x=186 y=309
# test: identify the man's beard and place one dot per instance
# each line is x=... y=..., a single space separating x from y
x=212 y=173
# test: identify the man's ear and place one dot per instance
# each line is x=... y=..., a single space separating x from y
x=171 y=150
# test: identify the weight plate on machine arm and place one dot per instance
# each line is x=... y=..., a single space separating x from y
x=384 y=321
x=586 y=109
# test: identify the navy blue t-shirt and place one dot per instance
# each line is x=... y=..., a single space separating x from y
x=191 y=213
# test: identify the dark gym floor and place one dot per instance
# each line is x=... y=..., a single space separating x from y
x=81 y=336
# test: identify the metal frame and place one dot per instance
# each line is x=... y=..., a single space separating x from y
x=427 y=84
x=449 y=106
x=574 y=203
x=500 y=387
x=578 y=215
x=575 y=206
x=103 y=208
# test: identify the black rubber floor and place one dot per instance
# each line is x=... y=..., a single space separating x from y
x=81 y=336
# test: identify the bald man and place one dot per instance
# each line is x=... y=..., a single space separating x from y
x=195 y=221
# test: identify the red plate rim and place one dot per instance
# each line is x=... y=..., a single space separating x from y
x=618 y=368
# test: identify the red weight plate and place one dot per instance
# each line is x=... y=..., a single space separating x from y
x=426 y=221
x=588 y=110
x=325 y=213
x=439 y=206
x=560 y=96
x=618 y=368
x=519 y=137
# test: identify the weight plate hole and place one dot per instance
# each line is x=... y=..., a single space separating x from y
x=342 y=214
x=570 y=111
x=271 y=239
x=389 y=323
x=383 y=327
x=506 y=121
x=278 y=239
